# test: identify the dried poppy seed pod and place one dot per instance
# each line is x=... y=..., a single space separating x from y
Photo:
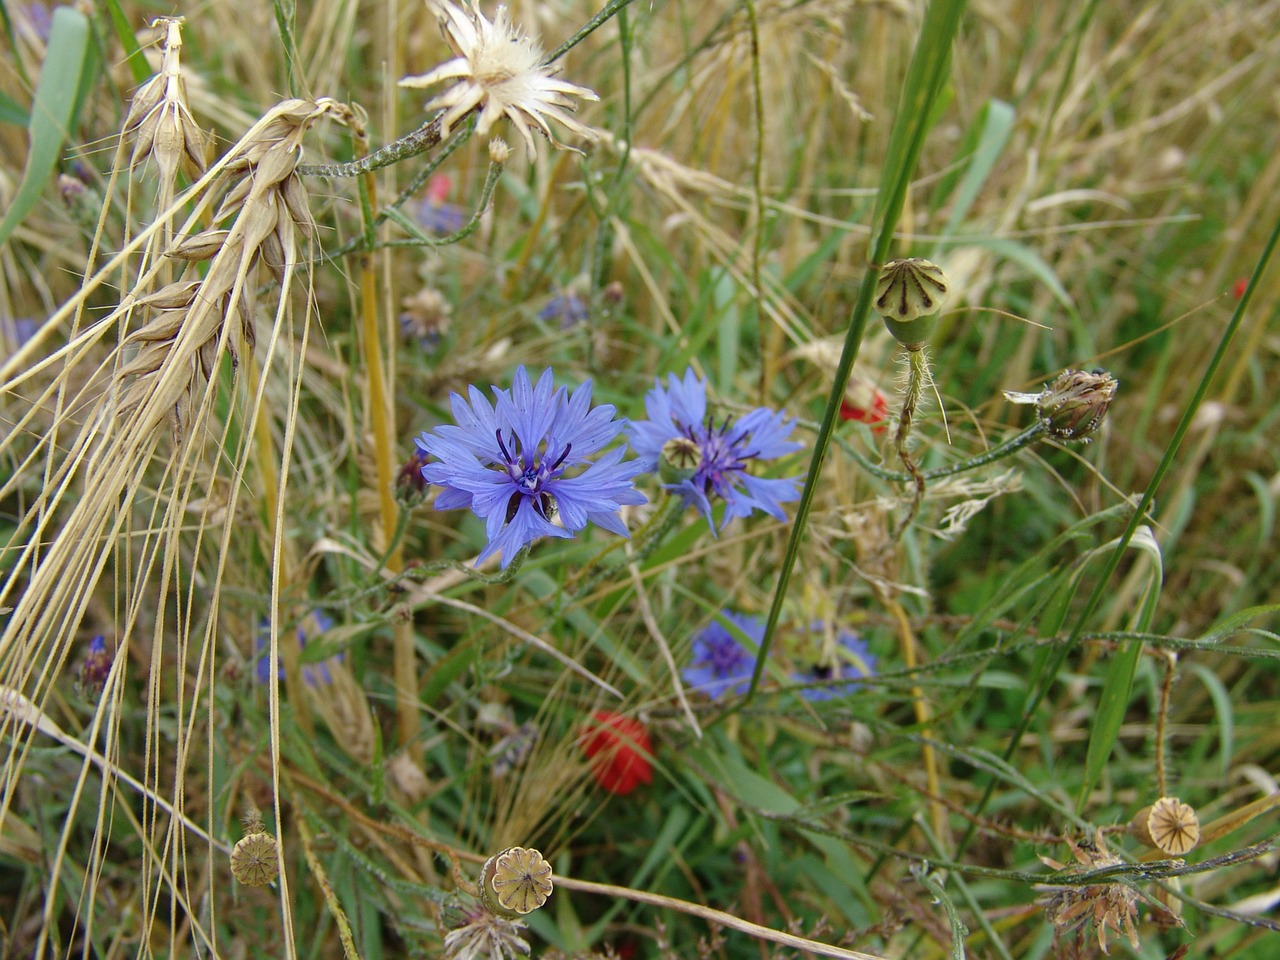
x=1075 y=404
x=1168 y=824
x=908 y=296
x=679 y=460
x=515 y=882
x=255 y=859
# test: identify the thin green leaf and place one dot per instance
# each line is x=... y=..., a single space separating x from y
x=54 y=110
x=138 y=65
x=1224 y=714
x=1114 y=699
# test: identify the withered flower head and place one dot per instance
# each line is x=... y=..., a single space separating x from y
x=500 y=71
x=1110 y=906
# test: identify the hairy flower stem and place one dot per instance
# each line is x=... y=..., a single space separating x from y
x=643 y=542
x=1024 y=439
x=410 y=145
x=917 y=377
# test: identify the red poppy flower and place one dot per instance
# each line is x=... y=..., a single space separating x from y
x=874 y=410
x=619 y=749
x=1239 y=287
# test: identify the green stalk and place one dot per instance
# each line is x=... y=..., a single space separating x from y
x=926 y=77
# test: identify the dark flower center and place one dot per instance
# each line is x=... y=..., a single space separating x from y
x=531 y=471
x=724 y=451
x=724 y=656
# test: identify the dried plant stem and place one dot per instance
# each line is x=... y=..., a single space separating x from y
x=270 y=480
x=907 y=639
x=382 y=419
x=711 y=915
x=655 y=632
x=1162 y=716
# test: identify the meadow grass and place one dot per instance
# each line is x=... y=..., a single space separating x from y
x=933 y=698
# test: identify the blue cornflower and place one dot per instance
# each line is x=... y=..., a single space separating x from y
x=849 y=657
x=313 y=674
x=679 y=412
x=524 y=459
x=97 y=664
x=721 y=664
x=568 y=310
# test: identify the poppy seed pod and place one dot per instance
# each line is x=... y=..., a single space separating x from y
x=255 y=859
x=1168 y=825
x=908 y=295
x=515 y=882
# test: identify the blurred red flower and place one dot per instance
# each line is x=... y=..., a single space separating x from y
x=874 y=409
x=619 y=749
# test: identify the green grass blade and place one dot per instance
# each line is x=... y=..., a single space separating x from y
x=54 y=110
x=926 y=79
x=138 y=65
x=1114 y=699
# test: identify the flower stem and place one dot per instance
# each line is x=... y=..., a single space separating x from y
x=1024 y=439
x=410 y=145
x=917 y=378
x=381 y=415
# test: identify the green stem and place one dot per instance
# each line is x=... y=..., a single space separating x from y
x=926 y=79
x=1024 y=439
x=410 y=145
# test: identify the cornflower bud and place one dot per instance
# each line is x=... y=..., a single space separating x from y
x=679 y=460
x=1075 y=404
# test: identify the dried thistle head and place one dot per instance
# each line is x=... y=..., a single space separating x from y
x=1109 y=906
x=483 y=935
x=500 y=71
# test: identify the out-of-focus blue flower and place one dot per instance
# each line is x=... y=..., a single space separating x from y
x=848 y=658
x=567 y=310
x=17 y=330
x=522 y=460
x=41 y=19
x=313 y=674
x=441 y=219
x=678 y=411
x=435 y=214
x=721 y=664
x=97 y=664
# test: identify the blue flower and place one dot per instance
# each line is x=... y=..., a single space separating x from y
x=849 y=657
x=721 y=664
x=522 y=460
x=313 y=674
x=679 y=411
x=567 y=309
x=96 y=667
